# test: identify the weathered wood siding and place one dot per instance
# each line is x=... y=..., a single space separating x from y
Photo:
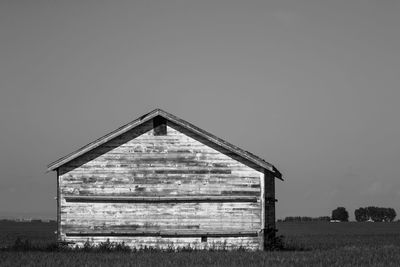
x=141 y=164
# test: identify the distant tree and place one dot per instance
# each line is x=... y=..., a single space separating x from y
x=361 y=215
x=340 y=214
x=373 y=214
x=392 y=214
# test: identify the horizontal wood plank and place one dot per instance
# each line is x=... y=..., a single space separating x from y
x=186 y=199
x=167 y=234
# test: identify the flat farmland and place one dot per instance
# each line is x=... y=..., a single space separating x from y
x=326 y=235
x=36 y=232
x=309 y=243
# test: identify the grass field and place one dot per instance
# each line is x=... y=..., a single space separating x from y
x=315 y=243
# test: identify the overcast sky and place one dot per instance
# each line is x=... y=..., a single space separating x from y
x=310 y=86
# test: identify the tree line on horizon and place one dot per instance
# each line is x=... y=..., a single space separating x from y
x=375 y=214
x=306 y=219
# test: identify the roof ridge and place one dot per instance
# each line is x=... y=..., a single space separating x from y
x=189 y=126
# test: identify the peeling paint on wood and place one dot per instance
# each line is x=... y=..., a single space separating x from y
x=163 y=188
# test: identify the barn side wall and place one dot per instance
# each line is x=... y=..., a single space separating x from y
x=119 y=179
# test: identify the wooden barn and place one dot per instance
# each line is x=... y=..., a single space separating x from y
x=161 y=182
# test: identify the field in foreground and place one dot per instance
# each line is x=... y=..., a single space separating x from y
x=315 y=243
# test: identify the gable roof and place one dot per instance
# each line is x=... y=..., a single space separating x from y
x=192 y=128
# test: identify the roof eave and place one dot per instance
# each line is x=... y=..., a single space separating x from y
x=158 y=112
x=123 y=129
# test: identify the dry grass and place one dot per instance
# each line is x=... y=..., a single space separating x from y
x=347 y=244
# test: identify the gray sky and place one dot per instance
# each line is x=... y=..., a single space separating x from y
x=310 y=86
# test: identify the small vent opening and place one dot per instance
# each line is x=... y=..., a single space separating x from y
x=160 y=126
x=203 y=239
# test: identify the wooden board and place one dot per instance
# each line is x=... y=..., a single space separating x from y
x=176 y=199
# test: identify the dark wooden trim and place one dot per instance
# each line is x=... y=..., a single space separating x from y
x=176 y=199
x=58 y=207
x=168 y=234
x=269 y=231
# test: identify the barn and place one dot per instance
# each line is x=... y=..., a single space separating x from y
x=161 y=182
